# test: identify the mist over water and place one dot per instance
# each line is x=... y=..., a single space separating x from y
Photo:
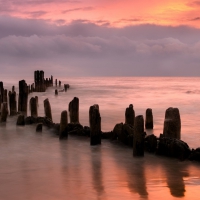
x=39 y=166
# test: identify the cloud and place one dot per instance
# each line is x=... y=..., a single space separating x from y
x=35 y=2
x=194 y=3
x=83 y=48
x=195 y=19
x=36 y=14
x=129 y=20
x=78 y=9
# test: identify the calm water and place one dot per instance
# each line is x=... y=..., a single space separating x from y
x=39 y=166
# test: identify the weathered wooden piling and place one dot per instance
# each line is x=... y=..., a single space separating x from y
x=47 y=109
x=149 y=119
x=51 y=80
x=12 y=102
x=39 y=81
x=65 y=87
x=46 y=82
x=4 y=112
x=56 y=92
x=5 y=96
x=33 y=107
x=63 y=124
x=39 y=127
x=59 y=83
x=56 y=82
x=32 y=87
x=1 y=91
x=0 y=103
x=95 y=125
x=130 y=115
x=13 y=88
x=172 y=123
x=1 y=94
x=20 y=120
x=36 y=97
x=138 y=137
x=23 y=97
x=74 y=110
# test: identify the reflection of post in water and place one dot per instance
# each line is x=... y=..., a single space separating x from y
x=97 y=175
x=136 y=178
x=175 y=180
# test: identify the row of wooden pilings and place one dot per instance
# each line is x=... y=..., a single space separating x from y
x=172 y=122
x=40 y=84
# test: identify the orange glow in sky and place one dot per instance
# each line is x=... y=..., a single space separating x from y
x=116 y=13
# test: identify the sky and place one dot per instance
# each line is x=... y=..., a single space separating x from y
x=100 y=38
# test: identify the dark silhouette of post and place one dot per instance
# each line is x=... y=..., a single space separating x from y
x=13 y=88
x=95 y=125
x=149 y=119
x=32 y=87
x=172 y=123
x=23 y=97
x=33 y=107
x=74 y=110
x=138 y=137
x=29 y=89
x=5 y=96
x=1 y=91
x=47 y=109
x=36 y=97
x=20 y=120
x=4 y=112
x=56 y=82
x=65 y=87
x=1 y=94
x=40 y=82
x=56 y=92
x=63 y=124
x=12 y=102
x=51 y=80
x=39 y=127
x=130 y=115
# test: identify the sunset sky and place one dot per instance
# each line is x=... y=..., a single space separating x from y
x=101 y=38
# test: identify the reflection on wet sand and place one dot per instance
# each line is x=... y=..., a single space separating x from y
x=175 y=180
x=97 y=173
x=133 y=172
x=136 y=178
x=71 y=171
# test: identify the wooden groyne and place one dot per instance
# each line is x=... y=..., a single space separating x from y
x=42 y=83
x=130 y=133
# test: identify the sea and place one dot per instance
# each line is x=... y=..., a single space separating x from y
x=38 y=166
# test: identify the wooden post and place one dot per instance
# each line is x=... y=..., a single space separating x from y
x=172 y=123
x=12 y=103
x=95 y=125
x=47 y=109
x=149 y=119
x=130 y=115
x=138 y=137
x=23 y=97
x=4 y=112
x=33 y=107
x=63 y=124
x=74 y=110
